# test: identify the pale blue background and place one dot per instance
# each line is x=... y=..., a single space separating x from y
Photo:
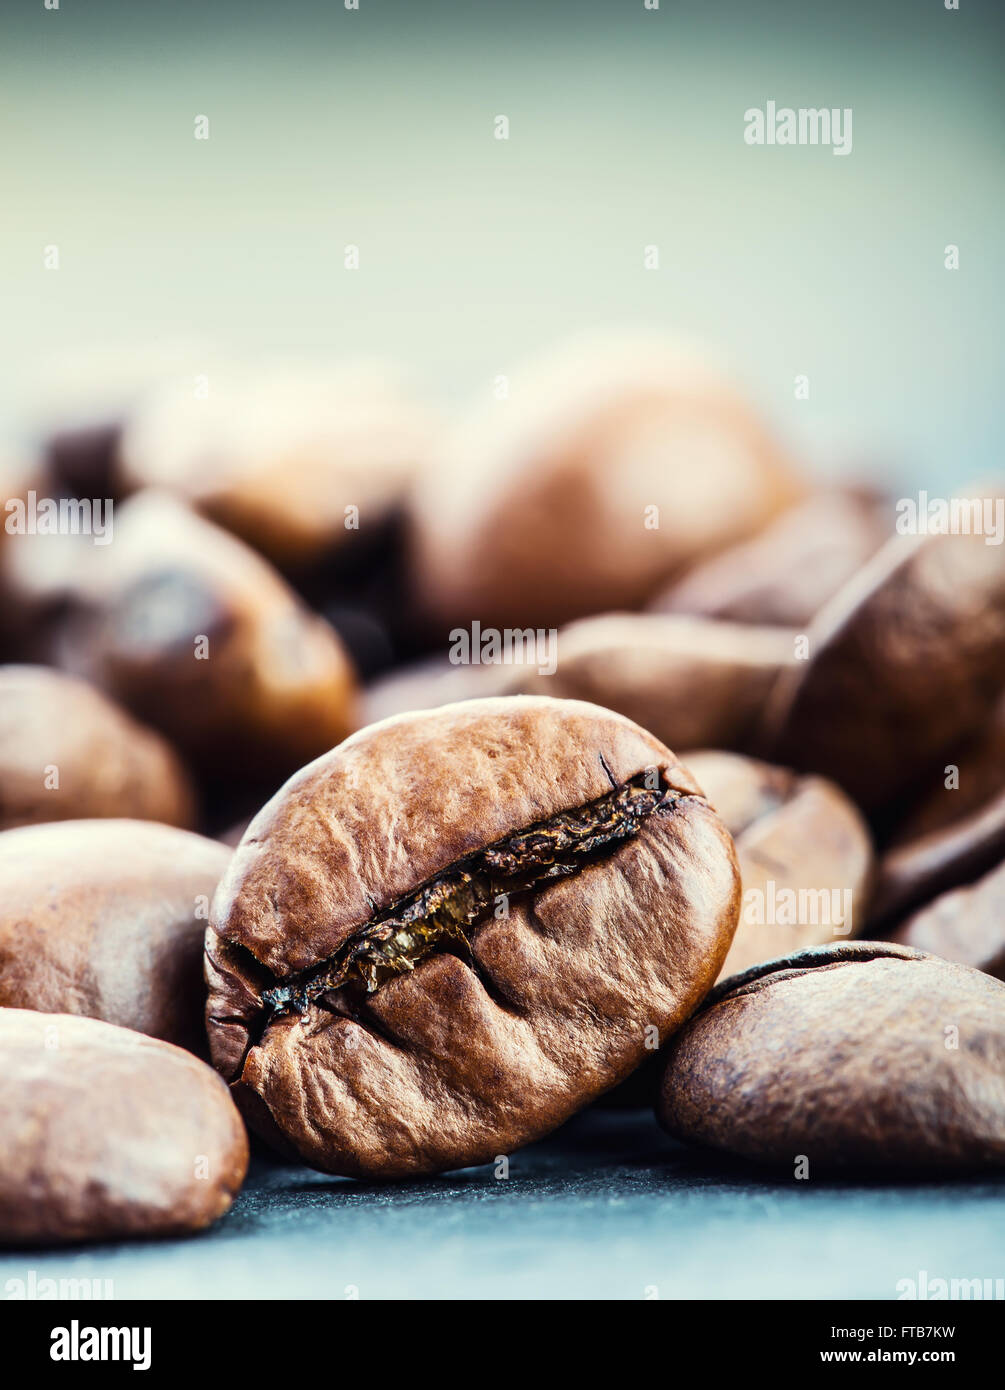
x=375 y=127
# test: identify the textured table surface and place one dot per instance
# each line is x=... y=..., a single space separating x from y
x=607 y=1208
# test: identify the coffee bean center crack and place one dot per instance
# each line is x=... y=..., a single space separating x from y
x=441 y=914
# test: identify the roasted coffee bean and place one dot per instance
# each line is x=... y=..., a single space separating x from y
x=867 y=1053
x=966 y=925
x=806 y=863
x=107 y=918
x=805 y=855
x=39 y=578
x=19 y=628
x=108 y=1134
x=786 y=573
x=82 y=460
x=904 y=662
x=953 y=832
x=914 y=873
x=444 y=937
x=611 y=468
x=18 y=474
x=365 y=638
x=431 y=683
x=298 y=461
x=971 y=780
x=68 y=753
x=200 y=637
x=77 y=407
x=692 y=682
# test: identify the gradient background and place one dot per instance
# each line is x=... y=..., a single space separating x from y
x=376 y=127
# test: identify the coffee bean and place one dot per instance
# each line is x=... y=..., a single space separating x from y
x=107 y=919
x=966 y=925
x=972 y=778
x=785 y=574
x=67 y=752
x=806 y=864
x=18 y=475
x=611 y=468
x=904 y=662
x=75 y=409
x=108 y=1134
x=201 y=638
x=431 y=683
x=365 y=638
x=952 y=833
x=21 y=638
x=916 y=872
x=440 y=940
x=866 y=1053
x=82 y=459
x=692 y=682
x=805 y=855
x=282 y=455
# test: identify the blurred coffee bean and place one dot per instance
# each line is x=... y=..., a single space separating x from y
x=199 y=636
x=363 y=635
x=431 y=683
x=107 y=919
x=913 y=873
x=81 y=460
x=300 y=461
x=805 y=855
x=693 y=682
x=609 y=469
x=952 y=833
x=786 y=573
x=75 y=407
x=966 y=925
x=109 y=1134
x=903 y=663
x=38 y=577
x=866 y=1053
x=971 y=780
x=19 y=475
x=68 y=753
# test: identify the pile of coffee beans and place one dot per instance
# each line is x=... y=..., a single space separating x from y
x=338 y=805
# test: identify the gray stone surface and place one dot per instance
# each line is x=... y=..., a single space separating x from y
x=607 y=1208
